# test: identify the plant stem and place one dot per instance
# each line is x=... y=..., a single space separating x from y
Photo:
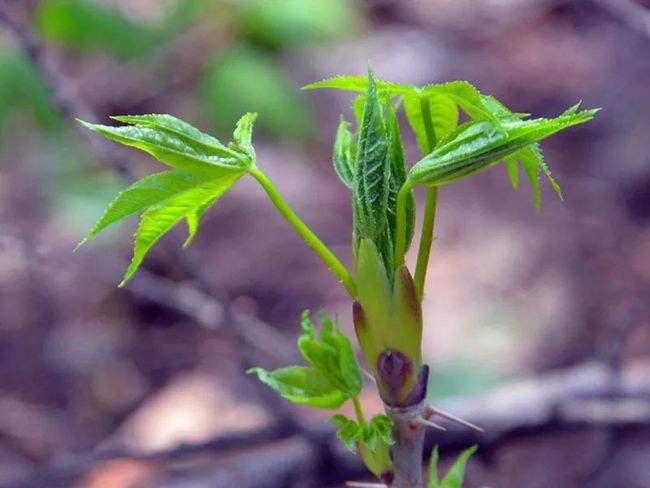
x=333 y=263
x=408 y=447
x=426 y=240
x=400 y=211
x=358 y=410
x=426 y=237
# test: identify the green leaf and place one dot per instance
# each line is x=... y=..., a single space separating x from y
x=370 y=434
x=205 y=170
x=303 y=385
x=348 y=431
x=360 y=84
x=466 y=96
x=372 y=177
x=187 y=133
x=331 y=354
x=479 y=145
x=454 y=477
x=184 y=147
x=155 y=189
x=397 y=179
x=188 y=204
x=344 y=154
x=243 y=134
x=434 y=481
x=444 y=116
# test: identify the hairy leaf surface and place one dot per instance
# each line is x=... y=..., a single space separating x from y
x=204 y=170
x=481 y=144
x=372 y=175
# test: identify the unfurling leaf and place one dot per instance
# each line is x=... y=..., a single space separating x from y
x=344 y=154
x=204 y=170
x=173 y=142
x=371 y=440
x=371 y=434
x=333 y=376
x=304 y=385
x=372 y=176
x=478 y=145
x=331 y=354
x=455 y=475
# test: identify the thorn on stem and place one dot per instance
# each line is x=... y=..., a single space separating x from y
x=361 y=484
x=427 y=423
x=432 y=411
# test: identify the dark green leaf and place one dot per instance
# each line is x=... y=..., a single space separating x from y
x=344 y=154
x=303 y=385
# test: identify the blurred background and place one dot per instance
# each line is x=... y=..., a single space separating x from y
x=537 y=324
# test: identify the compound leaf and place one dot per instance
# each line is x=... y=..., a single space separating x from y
x=173 y=142
x=190 y=204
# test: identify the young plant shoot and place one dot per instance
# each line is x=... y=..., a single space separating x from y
x=386 y=295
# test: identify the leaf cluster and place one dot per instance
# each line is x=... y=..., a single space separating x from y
x=333 y=375
x=371 y=434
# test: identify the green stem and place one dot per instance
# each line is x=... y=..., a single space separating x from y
x=333 y=263
x=426 y=237
x=400 y=211
x=426 y=240
x=358 y=411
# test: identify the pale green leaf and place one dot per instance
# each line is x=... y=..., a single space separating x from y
x=344 y=154
x=331 y=354
x=348 y=431
x=244 y=133
x=513 y=172
x=189 y=134
x=303 y=385
x=482 y=144
x=443 y=117
x=434 y=481
x=155 y=189
x=160 y=218
x=360 y=84
x=454 y=477
x=371 y=434
x=168 y=147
